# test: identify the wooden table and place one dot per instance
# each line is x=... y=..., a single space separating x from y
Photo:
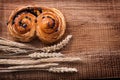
x=95 y=26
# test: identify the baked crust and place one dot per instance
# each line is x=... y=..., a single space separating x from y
x=50 y=25
x=21 y=28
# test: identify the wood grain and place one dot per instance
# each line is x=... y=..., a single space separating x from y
x=95 y=26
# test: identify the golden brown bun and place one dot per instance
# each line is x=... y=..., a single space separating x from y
x=50 y=25
x=22 y=25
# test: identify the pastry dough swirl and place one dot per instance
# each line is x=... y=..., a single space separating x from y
x=21 y=24
x=50 y=25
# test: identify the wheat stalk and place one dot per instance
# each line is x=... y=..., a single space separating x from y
x=10 y=43
x=57 y=46
x=46 y=60
x=61 y=59
x=28 y=67
x=1 y=38
x=45 y=55
x=39 y=66
x=62 y=70
x=17 y=61
x=12 y=50
x=4 y=71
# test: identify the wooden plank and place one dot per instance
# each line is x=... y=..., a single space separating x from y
x=95 y=26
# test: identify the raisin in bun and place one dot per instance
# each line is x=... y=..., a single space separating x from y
x=50 y=25
x=21 y=24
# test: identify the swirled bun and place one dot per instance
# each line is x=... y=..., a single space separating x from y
x=22 y=24
x=50 y=25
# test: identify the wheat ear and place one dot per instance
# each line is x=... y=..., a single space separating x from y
x=62 y=70
x=45 y=55
x=57 y=46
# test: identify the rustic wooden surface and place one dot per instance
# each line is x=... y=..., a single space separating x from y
x=95 y=26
